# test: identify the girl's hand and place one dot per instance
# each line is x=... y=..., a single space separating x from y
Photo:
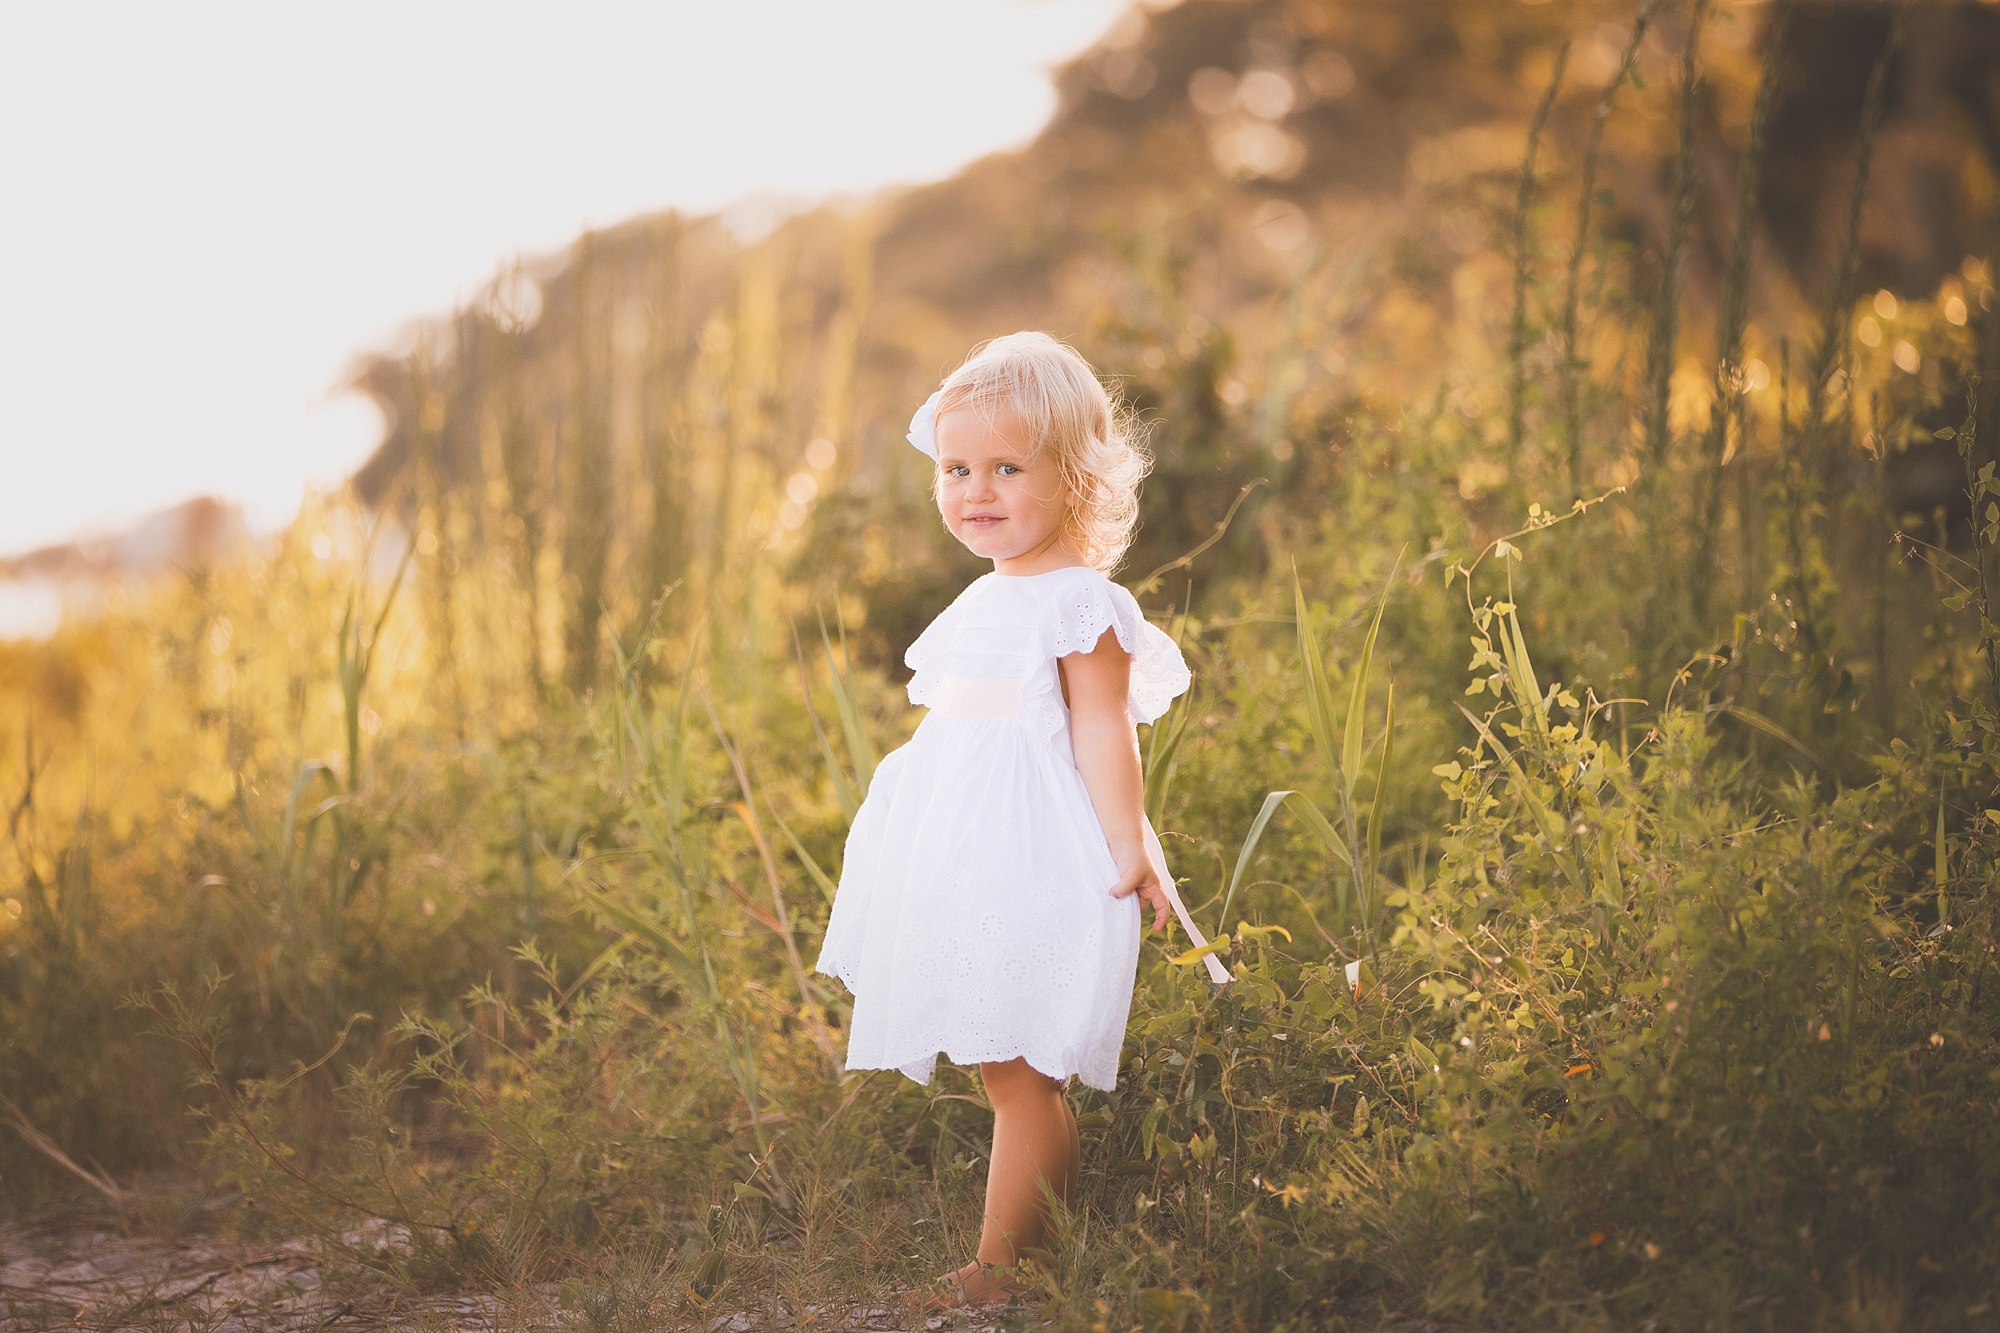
x=1136 y=875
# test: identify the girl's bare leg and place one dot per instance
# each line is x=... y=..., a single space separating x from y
x=1034 y=1141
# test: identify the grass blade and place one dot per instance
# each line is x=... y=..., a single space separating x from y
x=1321 y=828
x=1319 y=695
x=642 y=927
x=1357 y=695
x=289 y=825
x=847 y=702
x=813 y=872
x=1375 y=806
x=1163 y=742
x=1313 y=819
x=597 y=964
x=1250 y=840
x=843 y=786
x=1751 y=718
x=1943 y=862
x=1521 y=670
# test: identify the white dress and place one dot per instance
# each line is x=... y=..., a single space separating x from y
x=974 y=917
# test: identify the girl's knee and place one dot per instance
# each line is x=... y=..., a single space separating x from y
x=1016 y=1080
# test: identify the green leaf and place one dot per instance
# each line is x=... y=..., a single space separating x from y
x=1546 y=820
x=1220 y=944
x=1310 y=815
x=1313 y=819
x=1612 y=887
x=1521 y=670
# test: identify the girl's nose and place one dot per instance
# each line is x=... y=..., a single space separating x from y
x=979 y=486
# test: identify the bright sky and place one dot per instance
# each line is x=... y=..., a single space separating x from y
x=210 y=207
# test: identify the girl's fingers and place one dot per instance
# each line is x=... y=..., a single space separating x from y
x=1142 y=881
x=1133 y=881
x=1150 y=893
x=1147 y=885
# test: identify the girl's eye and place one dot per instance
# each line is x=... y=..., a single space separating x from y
x=958 y=472
x=1008 y=469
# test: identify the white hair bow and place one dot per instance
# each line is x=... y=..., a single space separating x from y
x=923 y=426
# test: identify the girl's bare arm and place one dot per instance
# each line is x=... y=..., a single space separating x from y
x=1107 y=754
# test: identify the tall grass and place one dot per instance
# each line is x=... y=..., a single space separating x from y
x=1663 y=335
x=1517 y=334
x=1574 y=359
x=1727 y=400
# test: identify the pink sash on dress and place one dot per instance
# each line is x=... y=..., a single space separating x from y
x=1216 y=971
x=978 y=699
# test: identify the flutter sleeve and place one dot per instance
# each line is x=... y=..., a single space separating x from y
x=1089 y=604
x=926 y=656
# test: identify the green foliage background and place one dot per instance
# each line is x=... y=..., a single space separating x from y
x=1619 y=957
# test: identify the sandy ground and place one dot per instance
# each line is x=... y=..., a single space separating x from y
x=91 y=1278
x=100 y=1278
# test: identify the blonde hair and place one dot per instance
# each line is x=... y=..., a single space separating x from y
x=1100 y=450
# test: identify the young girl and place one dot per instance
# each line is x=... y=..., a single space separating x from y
x=990 y=899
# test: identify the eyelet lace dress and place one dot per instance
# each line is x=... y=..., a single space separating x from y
x=974 y=918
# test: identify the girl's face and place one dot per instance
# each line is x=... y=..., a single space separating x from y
x=1003 y=503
